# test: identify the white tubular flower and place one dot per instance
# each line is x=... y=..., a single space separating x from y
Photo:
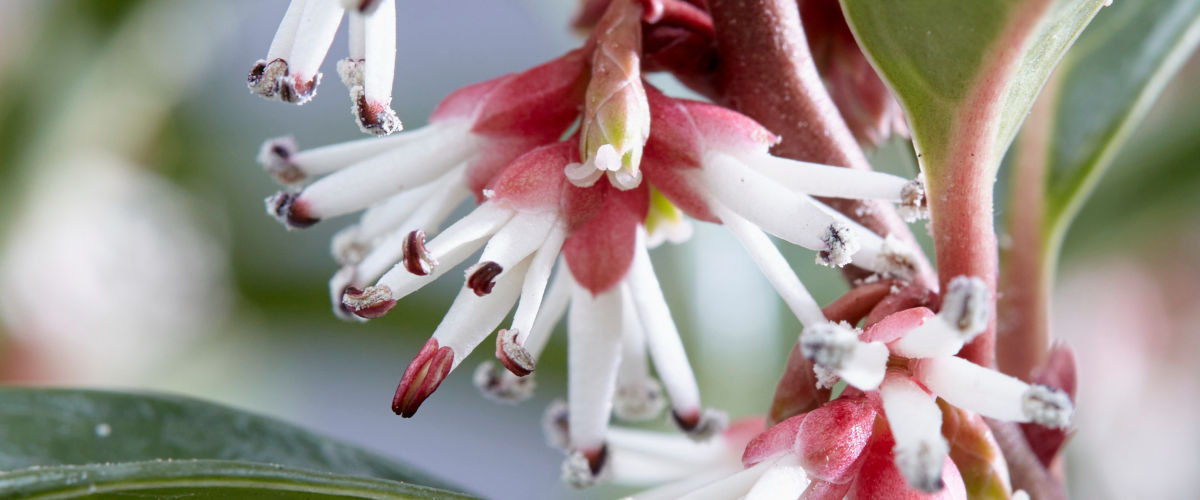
x=291 y=70
x=993 y=394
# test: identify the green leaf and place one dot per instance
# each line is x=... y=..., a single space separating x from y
x=966 y=72
x=68 y=426
x=1102 y=90
x=203 y=479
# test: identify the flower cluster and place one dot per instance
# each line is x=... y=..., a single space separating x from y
x=885 y=435
x=590 y=205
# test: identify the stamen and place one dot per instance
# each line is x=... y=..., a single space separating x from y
x=966 y=305
x=500 y=386
x=913 y=206
x=371 y=302
x=382 y=175
x=836 y=347
x=289 y=210
x=662 y=337
x=829 y=181
x=638 y=397
x=276 y=157
x=773 y=266
x=533 y=290
x=1047 y=406
x=266 y=79
x=472 y=318
x=594 y=353
x=840 y=244
x=556 y=425
x=373 y=99
x=422 y=377
x=365 y=7
x=993 y=394
x=318 y=24
x=512 y=355
x=896 y=258
x=916 y=424
x=456 y=243
x=481 y=277
x=348 y=247
x=701 y=425
x=342 y=281
x=583 y=468
x=557 y=297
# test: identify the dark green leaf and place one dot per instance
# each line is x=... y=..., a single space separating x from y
x=1103 y=89
x=203 y=479
x=69 y=426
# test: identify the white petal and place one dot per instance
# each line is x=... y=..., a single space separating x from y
x=582 y=174
x=431 y=200
x=593 y=352
x=933 y=338
x=520 y=237
x=327 y=159
x=773 y=266
x=386 y=252
x=735 y=485
x=916 y=423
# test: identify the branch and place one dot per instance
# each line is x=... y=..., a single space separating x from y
x=766 y=71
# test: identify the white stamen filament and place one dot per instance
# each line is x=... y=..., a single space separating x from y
x=593 y=354
x=773 y=266
x=318 y=25
x=472 y=318
x=668 y=447
x=638 y=396
x=534 y=288
x=993 y=394
x=520 y=237
x=933 y=338
x=373 y=179
x=286 y=34
x=328 y=159
x=662 y=338
x=836 y=347
x=815 y=179
x=428 y=217
x=379 y=56
x=455 y=244
x=433 y=201
x=553 y=307
x=916 y=424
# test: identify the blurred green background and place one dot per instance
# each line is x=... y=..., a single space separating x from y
x=135 y=251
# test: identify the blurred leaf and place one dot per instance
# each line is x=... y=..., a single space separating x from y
x=71 y=426
x=966 y=71
x=203 y=479
x=1103 y=89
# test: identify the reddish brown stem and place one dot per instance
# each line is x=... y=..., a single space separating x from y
x=767 y=72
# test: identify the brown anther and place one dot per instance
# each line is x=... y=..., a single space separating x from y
x=596 y=459
x=276 y=157
x=373 y=117
x=371 y=303
x=367 y=6
x=512 y=355
x=481 y=278
x=416 y=257
x=700 y=425
x=266 y=78
x=288 y=209
x=427 y=370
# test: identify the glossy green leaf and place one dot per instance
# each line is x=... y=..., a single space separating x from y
x=966 y=71
x=69 y=426
x=203 y=479
x=1103 y=88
